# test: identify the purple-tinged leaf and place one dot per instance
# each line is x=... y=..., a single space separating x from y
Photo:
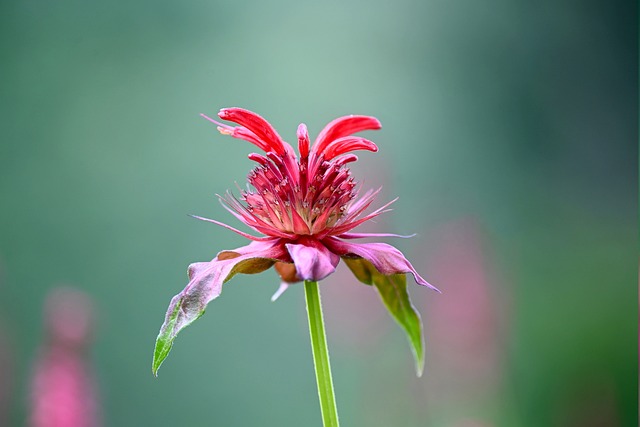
x=386 y=258
x=205 y=284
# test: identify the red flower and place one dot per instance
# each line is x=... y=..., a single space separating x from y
x=305 y=209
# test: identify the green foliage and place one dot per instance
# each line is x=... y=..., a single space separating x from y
x=393 y=291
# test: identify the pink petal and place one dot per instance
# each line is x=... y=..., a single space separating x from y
x=350 y=222
x=341 y=127
x=237 y=209
x=385 y=258
x=366 y=235
x=359 y=205
x=235 y=230
x=312 y=259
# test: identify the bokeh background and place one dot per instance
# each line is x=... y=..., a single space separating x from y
x=509 y=134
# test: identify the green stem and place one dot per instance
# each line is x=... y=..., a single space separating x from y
x=320 y=355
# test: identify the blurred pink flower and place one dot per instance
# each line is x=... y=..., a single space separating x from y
x=63 y=392
x=466 y=328
x=6 y=380
x=305 y=208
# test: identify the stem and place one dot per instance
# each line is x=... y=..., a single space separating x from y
x=320 y=355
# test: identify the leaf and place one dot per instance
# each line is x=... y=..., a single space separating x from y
x=205 y=284
x=167 y=334
x=393 y=291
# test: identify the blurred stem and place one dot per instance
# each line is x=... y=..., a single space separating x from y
x=320 y=355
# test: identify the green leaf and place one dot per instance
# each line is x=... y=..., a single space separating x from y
x=393 y=291
x=167 y=334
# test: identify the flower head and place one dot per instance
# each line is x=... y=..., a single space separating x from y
x=304 y=207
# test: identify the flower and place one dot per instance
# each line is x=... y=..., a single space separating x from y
x=64 y=392
x=305 y=208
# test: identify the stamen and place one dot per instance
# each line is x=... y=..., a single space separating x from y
x=222 y=128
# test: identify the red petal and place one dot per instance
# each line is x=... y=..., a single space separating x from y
x=238 y=132
x=347 y=144
x=257 y=125
x=303 y=140
x=341 y=127
x=258 y=158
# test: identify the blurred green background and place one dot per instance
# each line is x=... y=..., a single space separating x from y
x=509 y=134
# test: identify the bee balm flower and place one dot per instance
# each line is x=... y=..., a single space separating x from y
x=304 y=209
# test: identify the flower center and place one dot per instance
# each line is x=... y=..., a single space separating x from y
x=304 y=196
